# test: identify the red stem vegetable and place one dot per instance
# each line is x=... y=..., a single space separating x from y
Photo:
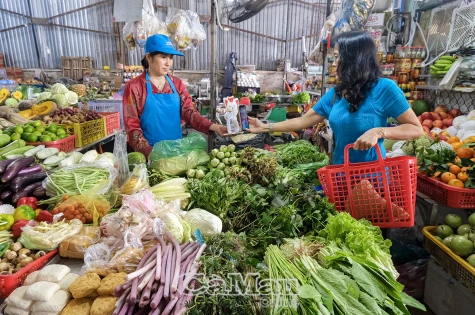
x=177 y=263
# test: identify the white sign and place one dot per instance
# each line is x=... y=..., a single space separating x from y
x=376 y=19
x=127 y=10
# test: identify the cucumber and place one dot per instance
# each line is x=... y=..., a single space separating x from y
x=4 y=140
x=14 y=156
x=447 y=58
x=35 y=150
x=12 y=146
x=21 y=150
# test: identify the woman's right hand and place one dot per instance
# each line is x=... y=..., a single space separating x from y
x=255 y=125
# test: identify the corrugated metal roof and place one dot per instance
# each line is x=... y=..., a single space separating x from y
x=285 y=20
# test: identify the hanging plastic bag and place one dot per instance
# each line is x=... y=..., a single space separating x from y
x=128 y=35
x=198 y=33
x=127 y=259
x=136 y=181
x=120 y=152
x=179 y=26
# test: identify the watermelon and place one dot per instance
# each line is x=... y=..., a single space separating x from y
x=420 y=106
x=135 y=158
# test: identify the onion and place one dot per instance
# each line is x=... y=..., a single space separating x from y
x=441 y=108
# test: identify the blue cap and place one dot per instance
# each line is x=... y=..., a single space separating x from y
x=160 y=43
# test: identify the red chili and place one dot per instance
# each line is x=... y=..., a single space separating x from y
x=29 y=201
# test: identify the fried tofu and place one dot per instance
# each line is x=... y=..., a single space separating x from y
x=109 y=283
x=85 y=286
x=103 y=305
x=78 y=307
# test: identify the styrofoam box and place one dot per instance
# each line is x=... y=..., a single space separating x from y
x=444 y=294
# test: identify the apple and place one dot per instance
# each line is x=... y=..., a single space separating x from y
x=420 y=118
x=441 y=109
x=435 y=116
x=455 y=112
x=426 y=115
x=450 y=116
x=443 y=115
x=428 y=123
x=447 y=122
x=438 y=124
x=426 y=129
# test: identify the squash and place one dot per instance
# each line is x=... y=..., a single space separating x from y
x=4 y=94
x=39 y=110
x=17 y=95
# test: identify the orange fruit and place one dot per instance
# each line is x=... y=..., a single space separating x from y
x=465 y=153
x=456 y=183
x=454 y=169
x=447 y=177
x=453 y=139
x=469 y=139
x=462 y=176
x=465 y=169
x=456 y=145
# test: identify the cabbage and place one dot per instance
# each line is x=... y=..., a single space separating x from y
x=173 y=225
x=60 y=100
x=44 y=96
x=71 y=97
x=59 y=88
x=206 y=222
x=11 y=102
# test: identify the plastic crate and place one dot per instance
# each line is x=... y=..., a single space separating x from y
x=8 y=283
x=87 y=132
x=108 y=106
x=112 y=121
x=453 y=197
x=64 y=145
x=454 y=264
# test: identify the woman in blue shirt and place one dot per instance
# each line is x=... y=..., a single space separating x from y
x=359 y=106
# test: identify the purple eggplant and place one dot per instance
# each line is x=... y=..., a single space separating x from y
x=6 y=196
x=31 y=170
x=39 y=192
x=20 y=182
x=25 y=192
x=15 y=167
x=4 y=164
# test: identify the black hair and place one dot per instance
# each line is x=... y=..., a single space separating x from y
x=144 y=61
x=358 y=66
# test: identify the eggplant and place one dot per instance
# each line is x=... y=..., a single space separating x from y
x=6 y=196
x=26 y=192
x=4 y=164
x=20 y=182
x=15 y=167
x=30 y=170
x=39 y=192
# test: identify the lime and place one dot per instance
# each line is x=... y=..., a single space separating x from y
x=63 y=136
x=37 y=123
x=45 y=139
x=55 y=138
x=22 y=143
x=15 y=136
x=37 y=133
x=40 y=129
x=29 y=129
x=52 y=128
x=60 y=131
x=31 y=137
x=24 y=135
x=18 y=129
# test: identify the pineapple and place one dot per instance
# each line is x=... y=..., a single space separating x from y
x=79 y=89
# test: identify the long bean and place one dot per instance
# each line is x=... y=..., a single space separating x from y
x=68 y=181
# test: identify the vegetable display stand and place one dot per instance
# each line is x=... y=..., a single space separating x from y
x=383 y=191
x=87 y=132
x=454 y=264
x=8 y=283
x=112 y=121
x=450 y=196
x=64 y=145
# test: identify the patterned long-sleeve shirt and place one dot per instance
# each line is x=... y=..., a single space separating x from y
x=133 y=102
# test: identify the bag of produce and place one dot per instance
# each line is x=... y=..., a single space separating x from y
x=120 y=152
x=127 y=259
x=136 y=181
x=45 y=236
x=172 y=148
x=179 y=165
x=88 y=208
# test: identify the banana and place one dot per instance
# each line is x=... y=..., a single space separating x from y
x=447 y=58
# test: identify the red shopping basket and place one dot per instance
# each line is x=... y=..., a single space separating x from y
x=383 y=191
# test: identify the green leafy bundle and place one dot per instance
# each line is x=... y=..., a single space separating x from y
x=299 y=152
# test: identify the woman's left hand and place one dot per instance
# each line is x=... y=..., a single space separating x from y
x=367 y=140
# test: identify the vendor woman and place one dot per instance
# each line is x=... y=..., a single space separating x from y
x=358 y=107
x=155 y=102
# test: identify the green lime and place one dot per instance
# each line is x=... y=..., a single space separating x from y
x=15 y=136
x=18 y=129
x=40 y=129
x=37 y=123
x=52 y=128
x=60 y=131
x=55 y=138
x=22 y=142
x=24 y=135
x=37 y=133
x=63 y=136
x=45 y=139
x=29 y=129
x=32 y=137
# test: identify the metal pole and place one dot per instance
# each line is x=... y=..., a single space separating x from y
x=213 y=79
x=324 y=51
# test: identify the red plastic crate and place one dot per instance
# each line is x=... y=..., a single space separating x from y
x=8 y=283
x=383 y=191
x=112 y=121
x=64 y=145
x=450 y=196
